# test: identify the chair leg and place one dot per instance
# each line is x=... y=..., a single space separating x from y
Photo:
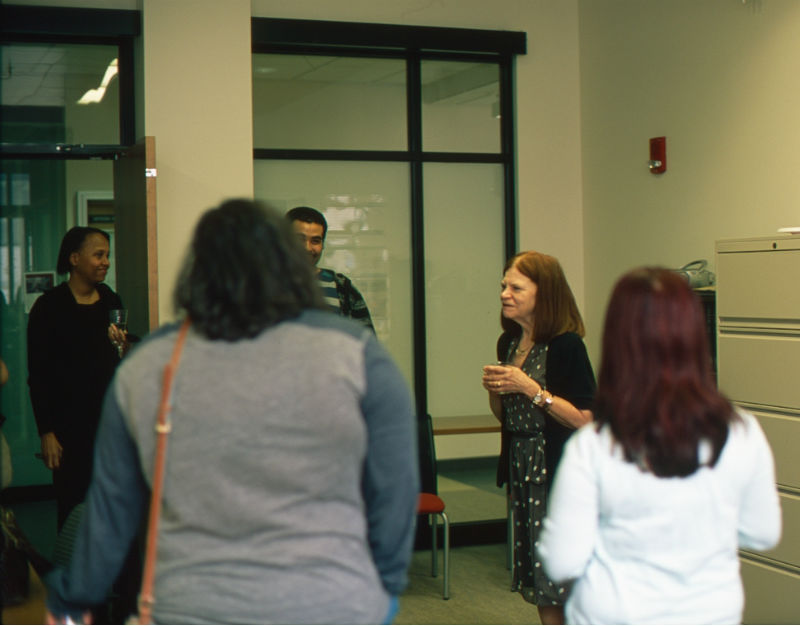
x=446 y=564
x=434 y=554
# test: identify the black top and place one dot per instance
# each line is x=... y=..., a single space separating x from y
x=70 y=363
x=569 y=375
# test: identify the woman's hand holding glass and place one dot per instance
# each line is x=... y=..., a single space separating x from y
x=118 y=330
x=502 y=378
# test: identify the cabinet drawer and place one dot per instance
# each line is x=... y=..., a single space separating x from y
x=759 y=369
x=788 y=550
x=759 y=285
x=783 y=434
x=771 y=595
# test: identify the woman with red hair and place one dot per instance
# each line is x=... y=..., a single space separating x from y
x=652 y=502
x=541 y=394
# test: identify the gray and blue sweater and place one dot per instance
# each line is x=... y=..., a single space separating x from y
x=291 y=480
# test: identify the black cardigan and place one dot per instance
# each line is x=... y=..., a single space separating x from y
x=70 y=363
x=569 y=375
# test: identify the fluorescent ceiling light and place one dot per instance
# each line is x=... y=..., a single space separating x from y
x=94 y=96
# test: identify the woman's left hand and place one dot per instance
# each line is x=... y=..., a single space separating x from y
x=119 y=338
x=508 y=379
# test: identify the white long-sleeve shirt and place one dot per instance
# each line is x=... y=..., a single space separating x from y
x=645 y=549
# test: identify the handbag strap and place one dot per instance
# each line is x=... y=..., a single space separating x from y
x=163 y=428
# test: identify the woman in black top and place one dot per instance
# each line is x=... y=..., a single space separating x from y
x=71 y=360
x=541 y=394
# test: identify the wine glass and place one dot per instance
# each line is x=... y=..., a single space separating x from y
x=119 y=317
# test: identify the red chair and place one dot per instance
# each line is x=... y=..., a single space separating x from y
x=429 y=504
x=433 y=506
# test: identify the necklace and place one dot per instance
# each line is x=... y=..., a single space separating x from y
x=518 y=350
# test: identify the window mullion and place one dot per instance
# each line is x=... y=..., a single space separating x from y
x=414 y=100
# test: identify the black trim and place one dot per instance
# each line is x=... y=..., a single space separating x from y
x=317 y=50
x=270 y=31
x=291 y=154
x=127 y=94
x=461 y=157
x=68 y=22
x=59 y=151
x=507 y=137
x=384 y=53
x=414 y=117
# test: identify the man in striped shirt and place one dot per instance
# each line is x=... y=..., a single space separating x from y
x=339 y=291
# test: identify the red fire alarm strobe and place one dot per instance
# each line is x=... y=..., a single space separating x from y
x=658 y=155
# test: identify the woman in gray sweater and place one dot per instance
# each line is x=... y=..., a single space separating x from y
x=291 y=482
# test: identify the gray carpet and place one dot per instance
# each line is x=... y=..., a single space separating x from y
x=479 y=591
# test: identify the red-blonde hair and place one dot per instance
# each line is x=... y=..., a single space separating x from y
x=656 y=389
x=555 y=312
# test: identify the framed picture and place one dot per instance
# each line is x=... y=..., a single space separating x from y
x=36 y=283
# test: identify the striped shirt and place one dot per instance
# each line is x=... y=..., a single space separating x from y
x=342 y=296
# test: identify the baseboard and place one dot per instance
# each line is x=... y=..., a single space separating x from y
x=488 y=463
x=29 y=493
x=463 y=534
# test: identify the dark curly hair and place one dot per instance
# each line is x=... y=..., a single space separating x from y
x=245 y=271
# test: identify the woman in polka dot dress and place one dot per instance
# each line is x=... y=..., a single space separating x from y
x=541 y=393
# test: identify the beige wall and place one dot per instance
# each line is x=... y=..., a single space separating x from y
x=719 y=80
x=198 y=106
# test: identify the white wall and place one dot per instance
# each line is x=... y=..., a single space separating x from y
x=719 y=80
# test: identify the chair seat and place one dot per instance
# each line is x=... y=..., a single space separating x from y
x=429 y=504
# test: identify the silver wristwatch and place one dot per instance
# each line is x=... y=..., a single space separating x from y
x=542 y=401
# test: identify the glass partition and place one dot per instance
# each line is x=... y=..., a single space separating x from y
x=460 y=106
x=464 y=259
x=367 y=209
x=321 y=102
x=78 y=81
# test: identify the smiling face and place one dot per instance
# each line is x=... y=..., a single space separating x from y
x=90 y=262
x=518 y=297
x=312 y=238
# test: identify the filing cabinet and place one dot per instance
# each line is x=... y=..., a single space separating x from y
x=758 y=368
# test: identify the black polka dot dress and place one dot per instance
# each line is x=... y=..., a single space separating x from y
x=529 y=482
